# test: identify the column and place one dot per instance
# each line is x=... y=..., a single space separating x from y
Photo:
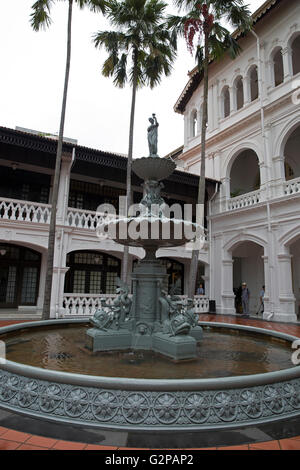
x=59 y=271
x=228 y=297
x=278 y=175
x=186 y=129
x=263 y=168
x=286 y=295
x=247 y=94
x=224 y=193
x=199 y=119
x=206 y=279
x=287 y=63
x=232 y=99
x=268 y=300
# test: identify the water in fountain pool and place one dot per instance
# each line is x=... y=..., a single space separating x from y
x=221 y=354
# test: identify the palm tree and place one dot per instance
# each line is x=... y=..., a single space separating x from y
x=140 y=51
x=40 y=18
x=202 y=21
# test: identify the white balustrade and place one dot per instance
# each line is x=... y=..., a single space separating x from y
x=25 y=211
x=201 y=304
x=292 y=187
x=86 y=219
x=87 y=304
x=246 y=200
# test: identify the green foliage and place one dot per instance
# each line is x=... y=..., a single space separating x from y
x=141 y=48
x=41 y=9
x=220 y=40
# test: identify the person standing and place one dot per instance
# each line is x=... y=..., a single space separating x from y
x=245 y=299
x=200 y=290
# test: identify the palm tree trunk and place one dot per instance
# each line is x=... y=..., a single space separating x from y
x=129 y=165
x=201 y=187
x=52 y=228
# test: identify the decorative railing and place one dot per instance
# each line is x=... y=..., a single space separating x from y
x=246 y=200
x=83 y=219
x=25 y=211
x=87 y=304
x=292 y=187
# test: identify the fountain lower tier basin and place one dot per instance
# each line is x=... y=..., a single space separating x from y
x=151 y=231
x=242 y=376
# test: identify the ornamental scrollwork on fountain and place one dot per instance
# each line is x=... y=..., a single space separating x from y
x=111 y=317
x=136 y=408
x=105 y=406
x=176 y=317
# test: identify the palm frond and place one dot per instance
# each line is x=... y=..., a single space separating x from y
x=93 y=5
x=120 y=72
x=40 y=16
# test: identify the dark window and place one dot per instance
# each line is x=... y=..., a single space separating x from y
x=92 y=272
x=253 y=83
x=19 y=276
x=88 y=196
x=226 y=102
x=239 y=93
x=24 y=185
x=296 y=55
x=278 y=67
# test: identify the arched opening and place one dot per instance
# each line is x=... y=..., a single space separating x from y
x=253 y=82
x=226 y=102
x=92 y=272
x=295 y=49
x=292 y=155
x=19 y=276
x=239 y=93
x=194 y=120
x=244 y=174
x=295 y=265
x=248 y=267
x=278 y=71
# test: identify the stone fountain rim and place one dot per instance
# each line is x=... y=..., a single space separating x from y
x=223 y=383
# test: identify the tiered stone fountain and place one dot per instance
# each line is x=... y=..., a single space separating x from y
x=151 y=320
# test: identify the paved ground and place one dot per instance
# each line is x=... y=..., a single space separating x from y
x=15 y=440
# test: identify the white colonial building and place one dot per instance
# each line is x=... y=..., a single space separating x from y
x=253 y=149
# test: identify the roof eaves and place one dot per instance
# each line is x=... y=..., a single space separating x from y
x=196 y=77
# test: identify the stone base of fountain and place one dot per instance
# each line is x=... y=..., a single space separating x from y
x=110 y=340
x=178 y=348
x=150 y=321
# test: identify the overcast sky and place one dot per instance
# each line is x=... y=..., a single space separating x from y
x=32 y=75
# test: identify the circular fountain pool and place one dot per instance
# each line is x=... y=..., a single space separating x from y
x=242 y=376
